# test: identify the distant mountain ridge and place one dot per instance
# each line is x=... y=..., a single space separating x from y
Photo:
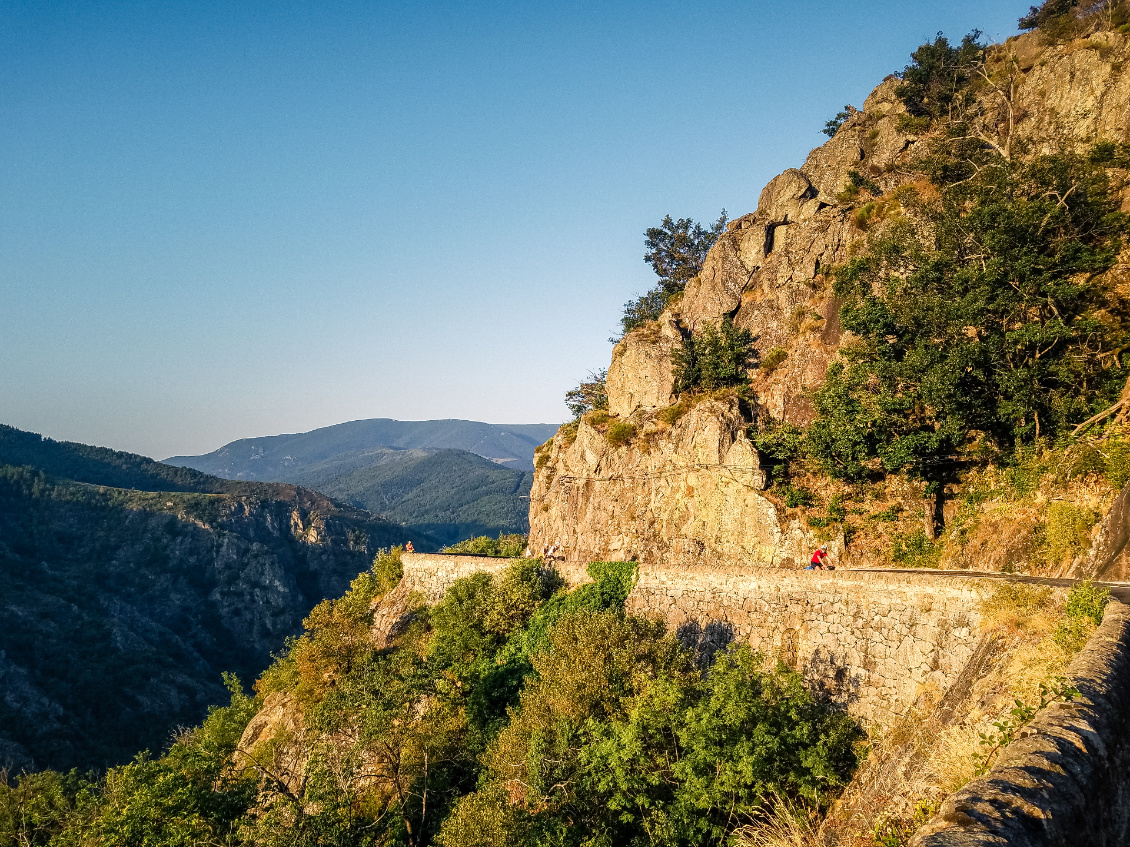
x=273 y=457
x=448 y=479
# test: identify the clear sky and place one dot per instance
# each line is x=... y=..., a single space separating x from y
x=228 y=219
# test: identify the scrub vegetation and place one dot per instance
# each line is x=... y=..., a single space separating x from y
x=512 y=712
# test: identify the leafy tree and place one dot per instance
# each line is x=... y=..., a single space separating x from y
x=676 y=250
x=984 y=325
x=588 y=396
x=833 y=126
x=1040 y=16
x=189 y=796
x=715 y=358
x=939 y=75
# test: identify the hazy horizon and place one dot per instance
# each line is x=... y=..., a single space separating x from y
x=233 y=221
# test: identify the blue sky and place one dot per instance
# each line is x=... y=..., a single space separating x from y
x=221 y=220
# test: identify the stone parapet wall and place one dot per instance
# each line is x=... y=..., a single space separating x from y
x=1067 y=781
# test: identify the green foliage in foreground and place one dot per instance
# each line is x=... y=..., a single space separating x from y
x=512 y=712
x=715 y=358
x=1083 y=612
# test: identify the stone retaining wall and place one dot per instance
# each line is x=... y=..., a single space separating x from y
x=880 y=642
x=875 y=642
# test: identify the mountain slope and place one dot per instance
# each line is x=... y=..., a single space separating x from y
x=448 y=494
x=276 y=456
x=121 y=606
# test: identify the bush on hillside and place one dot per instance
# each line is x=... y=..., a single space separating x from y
x=506 y=546
x=588 y=396
x=715 y=358
x=939 y=74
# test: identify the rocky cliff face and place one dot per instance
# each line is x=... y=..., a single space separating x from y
x=694 y=488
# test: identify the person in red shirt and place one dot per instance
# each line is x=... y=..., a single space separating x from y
x=817 y=563
x=408 y=548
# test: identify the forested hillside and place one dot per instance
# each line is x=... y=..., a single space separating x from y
x=123 y=605
x=450 y=495
x=449 y=479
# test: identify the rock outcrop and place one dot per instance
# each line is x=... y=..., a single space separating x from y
x=678 y=492
x=694 y=489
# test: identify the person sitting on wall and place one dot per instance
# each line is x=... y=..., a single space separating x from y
x=817 y=563
x=408 y=548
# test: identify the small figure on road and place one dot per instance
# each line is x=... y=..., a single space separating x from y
x=817 y=562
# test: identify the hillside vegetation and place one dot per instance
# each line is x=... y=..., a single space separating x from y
x=448 y=479
x=513 y=712
x=448 y=495
x=122 y=606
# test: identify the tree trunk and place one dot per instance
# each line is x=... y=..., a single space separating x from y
x=930 y=512
x=1124 y=400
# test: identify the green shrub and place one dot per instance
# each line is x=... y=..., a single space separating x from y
x=1067 y=530
x=777 y=444
x=675 y=411
x=1086 y=601
x=588 y=396
x=796 y=497
x=913 y=125
x=939 y=74
x=716 y=358
x=888 y=515
x=773 y=359
x=620 y=433
x=506 y=546
x=833 y=126
x=856 y=184
x=598 y=418
x=1116 y=461
x=388 y=568
x=1083 y=611
x=915 y=550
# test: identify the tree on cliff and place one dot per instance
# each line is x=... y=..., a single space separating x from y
x=588 y=396
x=676 y=250
x=982 y=316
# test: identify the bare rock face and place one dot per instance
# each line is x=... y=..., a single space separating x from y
x=1109 y=556
x=1076 y=91
x=675 y=494
x=642 y=375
